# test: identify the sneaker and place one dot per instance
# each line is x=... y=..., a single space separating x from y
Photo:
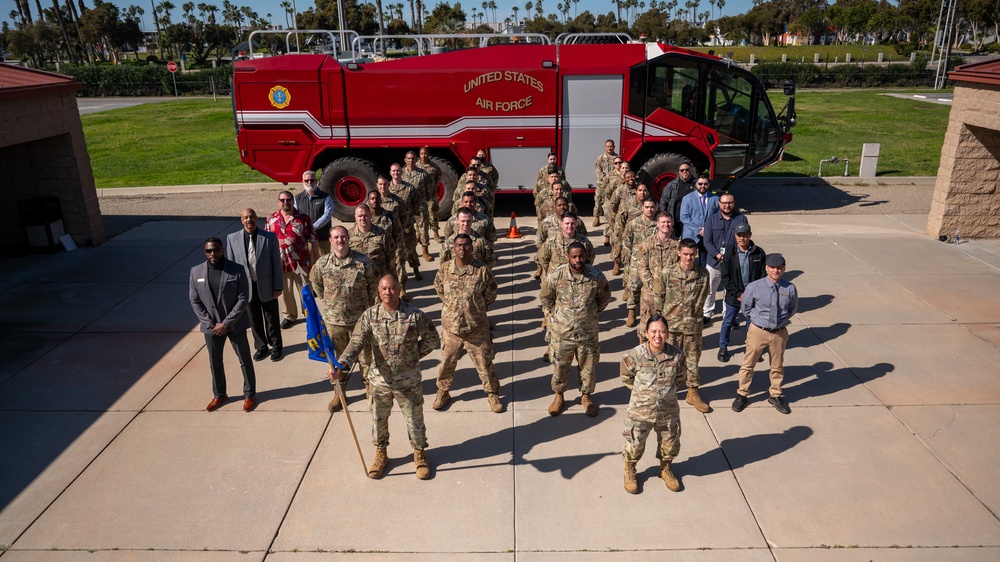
x=779 y=404
x=739 y=403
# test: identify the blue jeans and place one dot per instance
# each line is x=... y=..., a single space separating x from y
x=728 y=319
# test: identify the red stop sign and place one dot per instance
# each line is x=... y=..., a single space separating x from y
x=172 y=66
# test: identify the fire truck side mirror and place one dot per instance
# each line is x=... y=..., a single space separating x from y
x=789 y=88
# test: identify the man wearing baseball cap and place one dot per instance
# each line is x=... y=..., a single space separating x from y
x=742 y=265
x=769 y=304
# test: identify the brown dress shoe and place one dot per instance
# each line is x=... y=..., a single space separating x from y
x=216 y=403
x=249 y=403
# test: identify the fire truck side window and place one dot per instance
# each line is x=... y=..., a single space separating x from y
x=728 y=106
x=673 y=86
x=766 y=134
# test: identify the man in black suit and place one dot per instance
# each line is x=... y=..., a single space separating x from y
x=264 y=273
x=219 y=291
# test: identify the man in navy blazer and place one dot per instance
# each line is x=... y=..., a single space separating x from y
x=219 y=291
x=695 y=208
x=265 y=279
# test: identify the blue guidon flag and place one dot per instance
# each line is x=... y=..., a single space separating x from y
x=317 y=338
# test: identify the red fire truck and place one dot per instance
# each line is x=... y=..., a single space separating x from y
x=661 y=105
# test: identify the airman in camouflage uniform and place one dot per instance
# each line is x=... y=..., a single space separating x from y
x=487 y=169
x=603 y=168
x=543 y=191
x=544 y=170
x=680 y=296
x=412 y=199
x=466 y=288
x=558 y=189
x=619 y=199
x=482 y=250
x=481 y=223
x=419 y=179
x=654 y=254
x=630 y=208
x=551 y=225
x=637 y=230
x=572 y=297
x=615 y=181
x=388 y=222
x=553 y=253
x=393 y=204
x=431 y=197
x=371 y=240
x=345 y=284
x=399 y=335
x=650 y=372
x=472 y=181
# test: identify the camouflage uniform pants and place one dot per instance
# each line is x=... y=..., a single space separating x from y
x=668 y=434
x=410 y=240
x=599 y=197
x=423 y=224
x=341 y=336
x=411 y=404
x=690 y=344
x=587 y=354
x=646 y=309
x=480 y=348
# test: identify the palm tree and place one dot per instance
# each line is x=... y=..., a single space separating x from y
x=486 y=6
x=188 y=9
x=286 y=7
x=515 y=9
x=539 y=11
x=720 y=4
x=493 y=6
x=166 y=6
x=576 y=8
x=211 y=9
x=413 y=14
x=711 y=6
x=527 y=10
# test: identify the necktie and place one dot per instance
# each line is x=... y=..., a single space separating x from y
x=772 y=317
x=702 y=201
x=252 y=259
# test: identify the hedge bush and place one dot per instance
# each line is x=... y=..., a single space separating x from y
x=148 y=80
x=809 y=75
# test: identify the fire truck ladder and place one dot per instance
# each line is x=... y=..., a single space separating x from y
x=588 y=38
x=425 y=43
x=332 y=35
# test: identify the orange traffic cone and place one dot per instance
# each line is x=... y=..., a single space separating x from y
x=513 y=232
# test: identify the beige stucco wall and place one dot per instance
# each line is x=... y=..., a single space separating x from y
x=966 y=194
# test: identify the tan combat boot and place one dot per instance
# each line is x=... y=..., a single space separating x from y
x=538 y=272
x=545 y=322
x=597 y=221
x=631 y=486
x=673 y=484
x=618 y=268
x=417 y=275
x=420 y=463
x=607 y=241
x=632 y=320
x=427 y=254
x=437 y=237
x=378 y=465
x=555 y=408
x=588 y=405
x=441 y=400
x=495 y=404
x=695 y=400
x=368 y=390
x=335 y=405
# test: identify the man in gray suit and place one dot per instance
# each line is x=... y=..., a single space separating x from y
x=219 y=291
x=264 y=273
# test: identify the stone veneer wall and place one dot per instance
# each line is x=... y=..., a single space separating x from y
x=43 y=153
x=967 y=191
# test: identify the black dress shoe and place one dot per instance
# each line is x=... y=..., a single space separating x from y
x=779 y=404
x=707 y=320
x=261 y=354
x=276 y=354
x=739 y=403
x=723 y=354
x=286 y=324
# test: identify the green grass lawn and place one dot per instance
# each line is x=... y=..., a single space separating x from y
x=911 y=133
x=193 y=141
x=170 y=143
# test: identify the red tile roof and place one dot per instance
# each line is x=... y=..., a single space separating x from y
x=982 y=72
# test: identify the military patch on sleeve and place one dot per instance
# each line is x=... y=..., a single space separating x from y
x=627 y=361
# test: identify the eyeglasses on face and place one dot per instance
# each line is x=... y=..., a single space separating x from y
x=285 y=199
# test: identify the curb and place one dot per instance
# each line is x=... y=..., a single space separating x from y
x=167 y=189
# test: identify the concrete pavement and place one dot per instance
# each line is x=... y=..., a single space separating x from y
x=889 y=454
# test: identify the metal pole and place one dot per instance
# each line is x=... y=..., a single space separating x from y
x=340 y=17
x=295 y=25
x=174 y=76
x=937 y=30
x=211 y=80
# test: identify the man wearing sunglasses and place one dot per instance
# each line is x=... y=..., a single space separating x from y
x=318 y=205
x=299 y=251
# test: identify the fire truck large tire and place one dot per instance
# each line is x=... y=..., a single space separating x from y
x=446 y=187
x=660 y=170
x=348 y=181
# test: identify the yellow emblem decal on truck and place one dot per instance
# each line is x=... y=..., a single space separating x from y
x=280 y=97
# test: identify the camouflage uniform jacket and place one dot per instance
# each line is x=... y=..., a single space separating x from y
x=652 y=380
x=481 y=190
x=653 y=256
x=555 y=251
x=482 y=250
x=682 y=298
x=490 y=172
x=389 y=223
x=412 y=199
x=398 y=341
x=377 y=244
x=344 y=287
x=465 y=293
x=395 y=205
x=543 y=174
x=548 y=208
x=637 y=230
x=433 y=175
x=482 y=208
x=628 y=209
x=604 y=167
x=418 y=178
x=572 y=301
x=550 y=228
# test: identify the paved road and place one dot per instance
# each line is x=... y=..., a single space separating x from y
x=94 y=105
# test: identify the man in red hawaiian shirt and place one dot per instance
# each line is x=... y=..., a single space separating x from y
x=299 y=250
